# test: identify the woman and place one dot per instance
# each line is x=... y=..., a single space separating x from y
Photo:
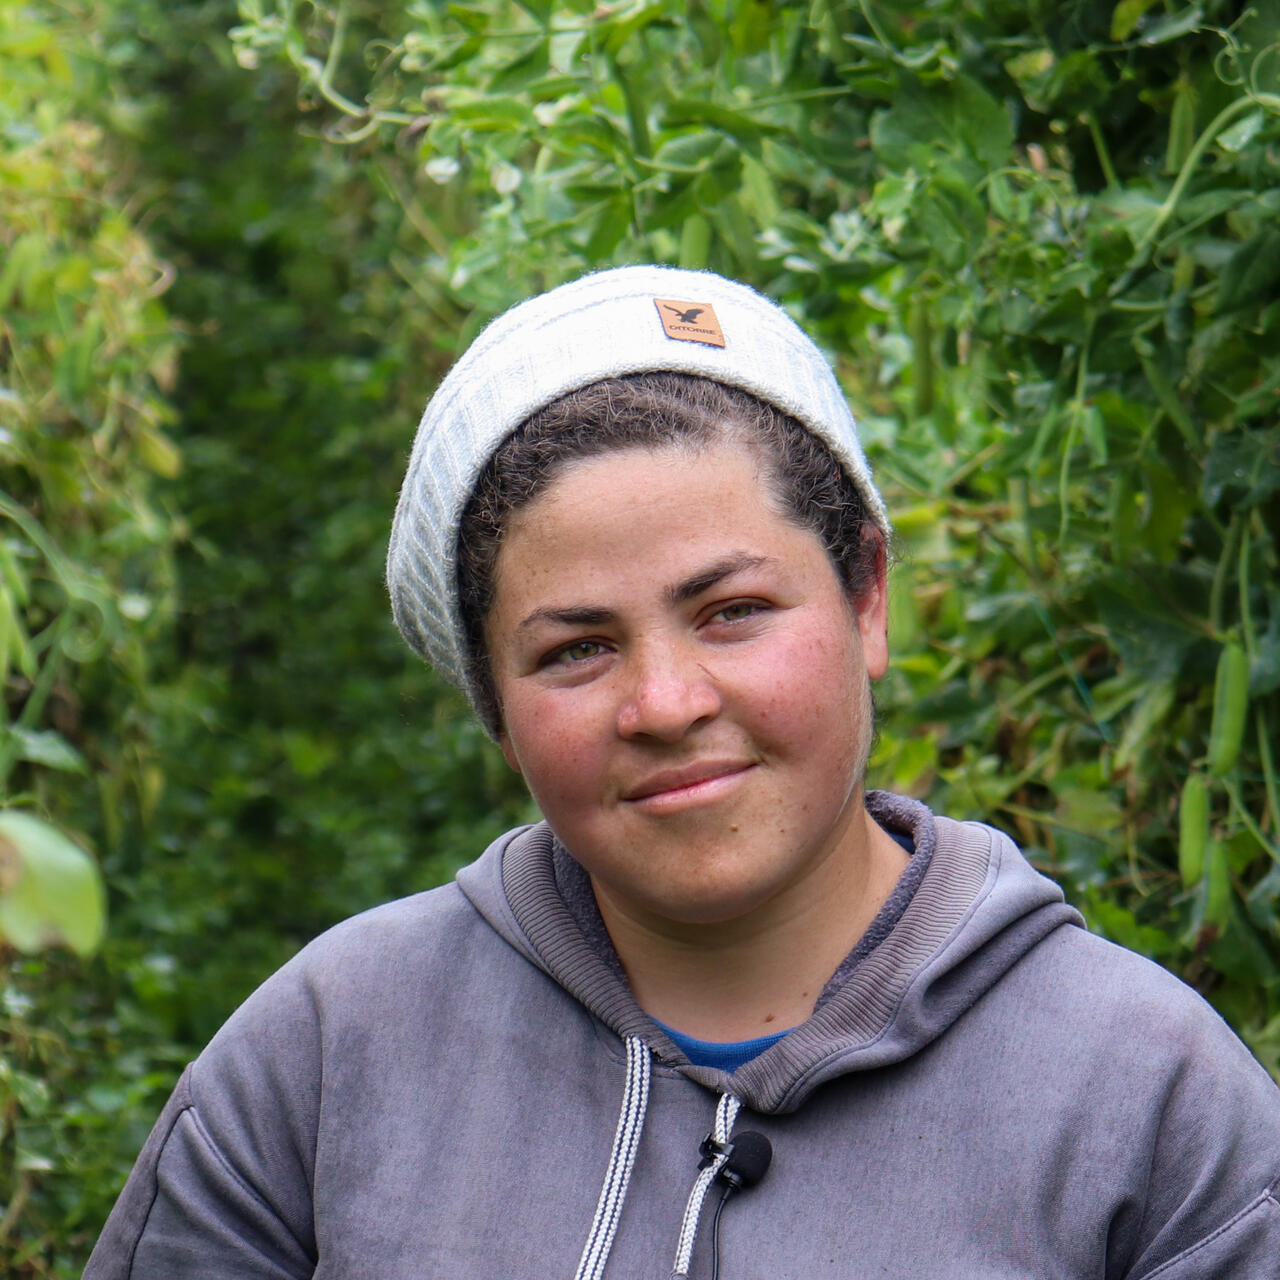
x=638 y=528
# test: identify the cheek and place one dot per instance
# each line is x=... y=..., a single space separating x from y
x=555 y=749
x=812 y=711
x=808 y=685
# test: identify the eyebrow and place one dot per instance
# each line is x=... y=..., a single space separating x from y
x=679 y=593
x=705 y=579
x=573 y=616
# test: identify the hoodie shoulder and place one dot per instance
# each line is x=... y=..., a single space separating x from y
x=1120 y=996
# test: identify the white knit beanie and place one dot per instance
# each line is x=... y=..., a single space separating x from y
x=606 y=325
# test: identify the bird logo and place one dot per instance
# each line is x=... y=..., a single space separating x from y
x=687 y=321
x=686 y=317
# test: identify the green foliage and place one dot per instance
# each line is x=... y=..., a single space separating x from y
x=1038 y=242
x=1040 y=246
x=253 y=753
x=50 y=891
x=85 y=352
x=86 y=590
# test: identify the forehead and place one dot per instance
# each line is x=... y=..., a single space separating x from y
x=639 y=493
x=640 y=521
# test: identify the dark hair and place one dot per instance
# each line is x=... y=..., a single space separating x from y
x=653 y=411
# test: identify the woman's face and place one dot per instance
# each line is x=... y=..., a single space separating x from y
x=684 y=683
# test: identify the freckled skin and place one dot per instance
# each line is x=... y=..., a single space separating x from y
x=619 y=694
x=786 y=693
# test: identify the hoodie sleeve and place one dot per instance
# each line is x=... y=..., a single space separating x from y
x=223 y=1186
x=1246 y=1245
x=1212 y=1203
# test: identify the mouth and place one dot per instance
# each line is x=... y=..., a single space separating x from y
x=674 y=788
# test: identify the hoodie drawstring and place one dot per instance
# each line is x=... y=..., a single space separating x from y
x=635 y=1102
x=726 y=1114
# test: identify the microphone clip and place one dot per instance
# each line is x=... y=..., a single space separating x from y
x=711 y=1149
x=745 y=1161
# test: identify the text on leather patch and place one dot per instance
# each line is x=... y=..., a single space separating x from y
x=690 y=321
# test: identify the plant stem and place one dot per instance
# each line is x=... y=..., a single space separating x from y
x=15 y=1207
x=1268 y=765
x=1241 y=812
x=1268 y=101
x=1225 y=563
x=1248 y=633
x=1104 y=152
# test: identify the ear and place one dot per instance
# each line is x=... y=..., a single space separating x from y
x=508 y=751
x=871 y=608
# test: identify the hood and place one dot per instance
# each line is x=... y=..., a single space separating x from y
x=966 y=909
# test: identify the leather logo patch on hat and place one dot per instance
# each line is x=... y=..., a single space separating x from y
x=690 y=321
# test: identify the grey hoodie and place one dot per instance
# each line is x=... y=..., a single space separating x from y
x=985 y=1090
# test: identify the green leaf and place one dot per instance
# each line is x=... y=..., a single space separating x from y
x=1077 y=83
x=1244 y=464
x=491 y=113
x=471 y=17
x=1173 y=26
x=1239 y=952
x=1142 y=728
x=958 y=117
x=457 y=55
x=1252 y=272
x=1238 y=136
x=1126 y=15
x=951 y=218
x=616 y=33
x=611 y=225
x=1264 y=671
x=1120 y=925
x=50 y=890
x=528 y=67
x=592 y=130
x=1133 y=210
x=1264 y=398
x=690 y=152
x=540 y=10
x=682 y=111
x=1152 y=642
x=47 y=748
x=1088 y=810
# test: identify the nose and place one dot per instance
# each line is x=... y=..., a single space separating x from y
x=666 y=694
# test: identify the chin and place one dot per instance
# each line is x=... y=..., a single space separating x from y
x=711 y=905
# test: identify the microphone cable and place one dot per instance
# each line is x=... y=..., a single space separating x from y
x=749 y=1158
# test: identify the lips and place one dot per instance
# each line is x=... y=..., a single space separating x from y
x=689 y=780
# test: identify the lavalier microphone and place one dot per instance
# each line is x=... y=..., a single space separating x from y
x=749 y=1156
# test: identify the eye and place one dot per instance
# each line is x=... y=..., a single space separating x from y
x=577 y=652
x=738 y=611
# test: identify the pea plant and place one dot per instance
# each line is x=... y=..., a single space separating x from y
x=1040 y=243
x=86 y=353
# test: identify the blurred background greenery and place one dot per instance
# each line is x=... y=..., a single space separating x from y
x=238 y=246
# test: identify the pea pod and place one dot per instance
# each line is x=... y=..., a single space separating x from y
x=1230 y=708
x=922 y=376
x=695 y=242
x=1217 y=890
x=1193 y=828
x=1182 y=126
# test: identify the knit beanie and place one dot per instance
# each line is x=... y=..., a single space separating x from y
x=609 y=324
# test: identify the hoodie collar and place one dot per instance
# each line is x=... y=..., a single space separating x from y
x=965 y=909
